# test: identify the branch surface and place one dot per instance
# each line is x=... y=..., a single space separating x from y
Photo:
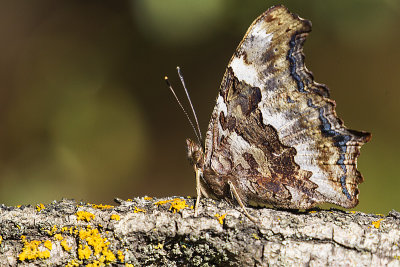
x=164 y=232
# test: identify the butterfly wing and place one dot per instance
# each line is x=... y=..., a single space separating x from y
x=274 y=132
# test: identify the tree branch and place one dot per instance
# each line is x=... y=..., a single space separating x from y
x=148 y=231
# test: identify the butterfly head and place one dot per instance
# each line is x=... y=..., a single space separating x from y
x=195 y=154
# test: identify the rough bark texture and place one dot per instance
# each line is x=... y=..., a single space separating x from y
x=167 y=234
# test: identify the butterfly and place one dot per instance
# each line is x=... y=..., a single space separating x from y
x=274 y=138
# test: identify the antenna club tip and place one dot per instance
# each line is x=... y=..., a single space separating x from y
x=166 y=78
x=178 y=68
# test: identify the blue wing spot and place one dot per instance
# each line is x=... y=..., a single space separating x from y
x=292 y=63
x=344 y=189
x=340 y=141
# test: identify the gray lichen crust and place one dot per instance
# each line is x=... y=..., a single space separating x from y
x=164 y=232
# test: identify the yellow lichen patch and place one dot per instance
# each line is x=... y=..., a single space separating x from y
x=84 y=216
x=121 y=256
x=102 y=207
x=377 y=223
x=73 y=263
x=98 y=244
x=255 y=236
x=115 y=217
x=159 y=246
x=353 y=211
x=129 y=200
x=58 y=237
x=31 y=250
x=109 y=256
x=47 y=244
x=72 y=230
x=1 y=239
x=40 y=207
x=137 y=210
x=312 y=211
x=52 y=231
x=84 y=253
x=19 y=206
x=379 y=214
x=64 y=229
x=95 y=263
x=129 y=265
x=65 y=245
x=176 y=204
x=220 y=218
x=147 y=198
x=162 y=202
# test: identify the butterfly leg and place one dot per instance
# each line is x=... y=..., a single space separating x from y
x=237 y=197
x=198 y=189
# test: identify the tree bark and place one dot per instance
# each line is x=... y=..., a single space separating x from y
x=146 y=232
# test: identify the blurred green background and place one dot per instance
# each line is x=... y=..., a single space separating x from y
x=85 y=113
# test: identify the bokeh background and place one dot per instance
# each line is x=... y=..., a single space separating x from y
x=85 y=113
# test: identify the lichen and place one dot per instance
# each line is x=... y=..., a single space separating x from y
x=84 y=216
x=137 y=210
x=102 y=207
x=377 y=223
x=121 y=256
x=95 y=263
x=255 y=236
x=109 y=256
x=159 y=246
x=31 y=250
x=176 y=204
x=84 y=252
x=40 y=207
x=58 y=237
x=52 y=231
x=47 y=244
x=73 y=263
x=221 y=218
x=99 y=245
x=65 y=246
x=115 y=217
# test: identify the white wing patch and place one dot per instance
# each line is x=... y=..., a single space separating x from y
x=245 y=72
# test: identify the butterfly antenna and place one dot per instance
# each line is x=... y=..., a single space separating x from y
x=190 y=102
x=184 y=111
